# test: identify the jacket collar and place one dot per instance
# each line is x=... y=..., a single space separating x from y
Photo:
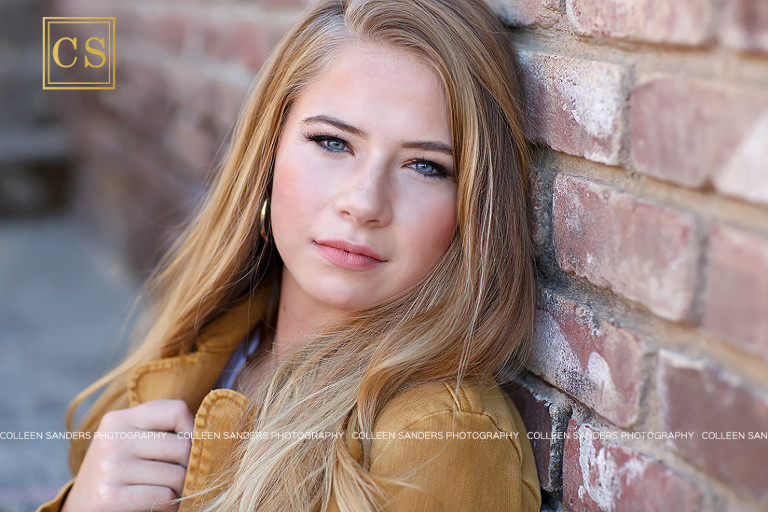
x=189 y=377
x=226 y=332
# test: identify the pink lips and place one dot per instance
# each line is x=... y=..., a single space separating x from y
x=347 y=255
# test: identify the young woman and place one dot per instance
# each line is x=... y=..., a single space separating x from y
x=329 y=331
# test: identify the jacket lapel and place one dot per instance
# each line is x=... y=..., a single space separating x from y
x=189 y=377
x=216 y=436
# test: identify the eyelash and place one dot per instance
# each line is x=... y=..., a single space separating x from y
x=440 y=171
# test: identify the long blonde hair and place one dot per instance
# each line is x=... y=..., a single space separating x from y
x=472 y=315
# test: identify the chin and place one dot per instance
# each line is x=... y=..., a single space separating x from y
x=345 y=300
x=350 y=304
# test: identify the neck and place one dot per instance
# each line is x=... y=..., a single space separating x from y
x=298 y=315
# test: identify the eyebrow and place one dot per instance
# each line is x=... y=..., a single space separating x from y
x=341 y=125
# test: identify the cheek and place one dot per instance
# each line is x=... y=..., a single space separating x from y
x=432 y=229
x=298 y=183
x=290 y=199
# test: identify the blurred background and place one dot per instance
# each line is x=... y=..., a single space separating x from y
x=93 y=186
x=650 y=218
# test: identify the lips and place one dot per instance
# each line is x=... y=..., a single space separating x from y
x=349 y=256
x=351 y=248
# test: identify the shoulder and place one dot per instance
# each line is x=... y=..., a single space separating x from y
x=456 y=447
x=474 y=396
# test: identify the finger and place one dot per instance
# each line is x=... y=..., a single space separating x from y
x=170 y=449
x=147 y=497
x=162 y=415
x=155 y=473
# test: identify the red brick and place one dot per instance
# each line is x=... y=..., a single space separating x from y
x=701 y=398
x=643 y=251
x=543 y=13
x=602 y=476
x=746 y=25
x=545 y=422
x=736 y=299
x=575 y=106
x=596 y=362
x=686 y=22
x=688 y=131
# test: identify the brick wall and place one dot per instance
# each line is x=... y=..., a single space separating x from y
x=652 y=236
x=651 y=205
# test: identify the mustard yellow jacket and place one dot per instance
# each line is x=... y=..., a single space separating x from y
x=471 y=447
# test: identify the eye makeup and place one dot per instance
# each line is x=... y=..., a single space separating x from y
x=334 y=144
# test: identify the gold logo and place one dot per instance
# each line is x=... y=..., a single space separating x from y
x=78 y=53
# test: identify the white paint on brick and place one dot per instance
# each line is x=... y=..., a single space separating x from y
x=745 y=174
x=552 y=356
x=576 y=105
x=599 y=374
x=573 y=211
x=600 y=476
x=634 y=468
x=592 y=100
x=592 y=382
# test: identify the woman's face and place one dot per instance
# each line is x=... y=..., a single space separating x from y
x=364 y=159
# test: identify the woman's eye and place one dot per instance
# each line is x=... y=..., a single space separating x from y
x=429 y=169
x=425 y=167
x=336 y=144
x=328 y=143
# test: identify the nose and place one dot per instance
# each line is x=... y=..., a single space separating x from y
x=365 y=200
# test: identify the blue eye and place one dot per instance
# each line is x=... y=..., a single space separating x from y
x=328 y=143
x=425 y=166
x=336 y=144
x=429 y=169
x=422 y=166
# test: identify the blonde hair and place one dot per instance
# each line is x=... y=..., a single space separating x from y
x=472 y=315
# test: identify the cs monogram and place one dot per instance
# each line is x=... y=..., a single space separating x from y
x=78 y=53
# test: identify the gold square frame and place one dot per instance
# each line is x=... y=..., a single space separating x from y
x=109 y=84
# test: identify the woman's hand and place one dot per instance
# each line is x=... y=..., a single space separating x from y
x=122 y=472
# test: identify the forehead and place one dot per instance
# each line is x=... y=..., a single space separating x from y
x=371 y=84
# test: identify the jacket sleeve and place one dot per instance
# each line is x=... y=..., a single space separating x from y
x=454 y=460
x=56 y=503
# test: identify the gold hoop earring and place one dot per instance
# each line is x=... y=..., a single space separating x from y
x=263 y=219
